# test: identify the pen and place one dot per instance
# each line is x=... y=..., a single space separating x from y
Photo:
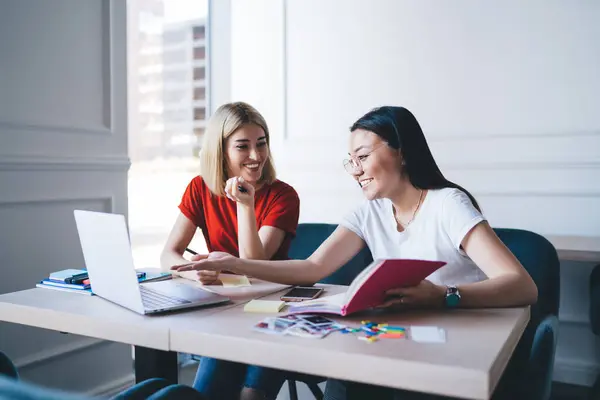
x=190 y=251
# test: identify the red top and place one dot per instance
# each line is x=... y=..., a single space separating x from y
x=275 y=205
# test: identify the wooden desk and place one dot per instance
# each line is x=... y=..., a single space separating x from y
x=479 y=342
x=95 y=317
x=469 y=365
x=576 y=248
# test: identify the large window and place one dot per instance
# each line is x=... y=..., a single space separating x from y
x=166 y=47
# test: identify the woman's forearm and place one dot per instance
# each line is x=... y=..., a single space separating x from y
x=288 y=272
x=170 y=258
x=504 y=291
x=249 y=243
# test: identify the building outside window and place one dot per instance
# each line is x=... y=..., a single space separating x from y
x=167 y=60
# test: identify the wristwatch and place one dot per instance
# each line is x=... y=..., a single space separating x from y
x=452 y=297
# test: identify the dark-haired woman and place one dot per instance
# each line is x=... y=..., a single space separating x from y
x=411 y=211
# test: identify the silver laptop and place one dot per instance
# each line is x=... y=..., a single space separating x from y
x=107 y=252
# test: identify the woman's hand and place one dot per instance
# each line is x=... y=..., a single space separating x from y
x=205 y=263
x=423 y=295
x=206 y=277
x=233 y=192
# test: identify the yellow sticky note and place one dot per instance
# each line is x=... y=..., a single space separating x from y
x=230 y=280
x=264 y=306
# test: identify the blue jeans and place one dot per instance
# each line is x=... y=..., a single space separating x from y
x=219 y=379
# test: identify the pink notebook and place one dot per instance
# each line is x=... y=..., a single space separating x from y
x=368 y=288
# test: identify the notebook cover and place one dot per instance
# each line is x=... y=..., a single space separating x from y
x=390 y=274
x=67 y=275
x=87 y=292
x=65 y=285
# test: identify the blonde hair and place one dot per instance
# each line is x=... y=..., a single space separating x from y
x=223 y=123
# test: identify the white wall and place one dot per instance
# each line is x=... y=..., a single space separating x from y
x=507 y=93
x=63 y=145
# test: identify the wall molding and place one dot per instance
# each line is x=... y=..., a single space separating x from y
x=28 y=127
x=108 y=88
x=574 y=319
x=508 y=193
x=439 y=137
x=108 y=67
x=45 y=163
x=575 y=371
x=107 y=200
x=47 y=355
x=459 y=166
x=528 y=165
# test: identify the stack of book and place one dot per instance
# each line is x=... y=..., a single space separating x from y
x=68 y=280
x=77 y=280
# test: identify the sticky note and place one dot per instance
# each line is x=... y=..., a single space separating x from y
x=230 y=280
x=427 y=334
x=264 y=306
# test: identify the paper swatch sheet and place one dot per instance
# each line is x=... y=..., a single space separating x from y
x=306 y=326
x=427 y=334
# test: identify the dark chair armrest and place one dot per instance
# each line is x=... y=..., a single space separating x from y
x=541 y=359
x=14 y=389
x=529 y=372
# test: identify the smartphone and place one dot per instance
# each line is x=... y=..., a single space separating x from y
x=302 y=293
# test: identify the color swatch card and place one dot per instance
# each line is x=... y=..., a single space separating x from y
x=427 y=334
x=306 y=326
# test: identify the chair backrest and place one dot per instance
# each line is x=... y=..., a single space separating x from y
x=526 y=373
x=539 y=258
x=309 y=237
x=536 y=254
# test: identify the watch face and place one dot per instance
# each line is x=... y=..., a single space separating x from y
x=452 y=300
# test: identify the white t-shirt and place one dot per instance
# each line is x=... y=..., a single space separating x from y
x=444 y=219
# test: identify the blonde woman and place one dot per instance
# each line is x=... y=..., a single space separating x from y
x=243 y=210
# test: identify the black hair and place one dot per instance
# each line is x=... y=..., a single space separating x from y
x=399 y=128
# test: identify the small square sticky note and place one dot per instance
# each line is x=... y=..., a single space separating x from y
x=427 y=334
x=264 y=306
x=230 y=280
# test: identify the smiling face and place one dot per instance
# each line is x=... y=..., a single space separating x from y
x=378 y=169
x=246 y=152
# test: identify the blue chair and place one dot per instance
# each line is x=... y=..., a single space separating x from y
x=529 y=373
x=595 y=319
x=309 y=237
x=154 y=389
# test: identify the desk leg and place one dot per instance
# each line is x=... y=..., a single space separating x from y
x=151 y=363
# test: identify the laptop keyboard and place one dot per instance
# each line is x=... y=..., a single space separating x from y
x=155 y=300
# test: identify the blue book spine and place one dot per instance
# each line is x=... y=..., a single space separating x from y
x=64 y=285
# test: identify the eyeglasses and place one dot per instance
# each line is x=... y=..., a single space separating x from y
x=354 y=163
